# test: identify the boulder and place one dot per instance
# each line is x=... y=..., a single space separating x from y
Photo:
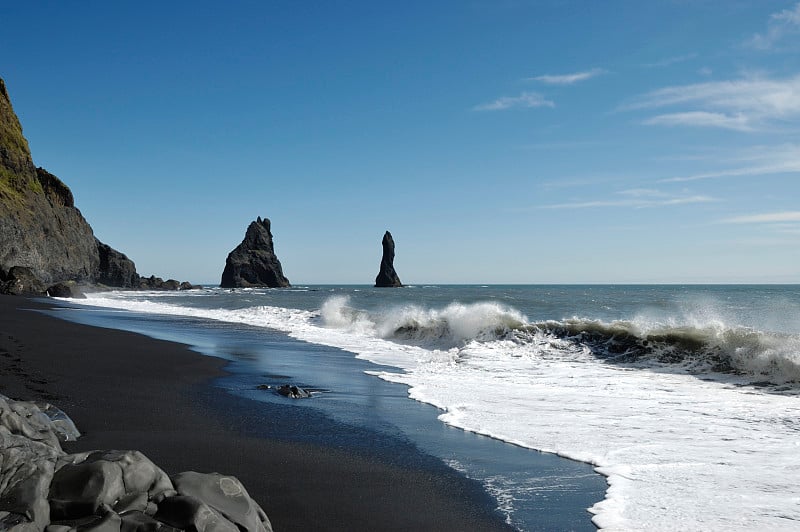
x=253 y=263
x=84 y=483
x=171 y=284
x=26 y=470
x=190 y=513
x=43 y=489
x=135 y=521
x=65 y=290
x=226 y=495
x=115 y=268
x=22 y=281
x=110 y=522
x=293 y=392
x=157 y=283
x=387 y=277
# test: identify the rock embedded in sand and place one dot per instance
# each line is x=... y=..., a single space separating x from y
x=44 y=488
x=253 y=263
x=387 y=276
x=68 y=290
x=293 y=392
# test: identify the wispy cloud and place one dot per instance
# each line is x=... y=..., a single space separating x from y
x=768 y=218
x=780 y=26
x=750 y=104
x=756 y=161
x=568 y=79
x=671 y=61
x=636 y=198
x=781 y=222
x=737 y=122
x=526 y=99
x=563 y=145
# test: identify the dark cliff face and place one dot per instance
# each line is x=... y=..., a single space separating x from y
x=387 y=277
x=40 y=227
x=253 y=262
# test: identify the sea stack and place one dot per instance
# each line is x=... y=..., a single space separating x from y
x=253 y=263
x=387 y=277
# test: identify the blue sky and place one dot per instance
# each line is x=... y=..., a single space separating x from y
x=506 y=141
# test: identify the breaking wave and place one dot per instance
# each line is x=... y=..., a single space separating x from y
x=697 y=348
x=453 y=326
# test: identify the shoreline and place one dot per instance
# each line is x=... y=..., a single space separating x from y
x=128 y=391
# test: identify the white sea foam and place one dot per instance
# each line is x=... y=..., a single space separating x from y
x=679 y=452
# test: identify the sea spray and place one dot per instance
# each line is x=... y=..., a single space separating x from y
x=452 y=326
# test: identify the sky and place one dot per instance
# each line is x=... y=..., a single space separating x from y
x=503 y=141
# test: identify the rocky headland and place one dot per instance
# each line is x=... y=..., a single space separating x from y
x=253 y=263
x=44 y=239
x=387 y=276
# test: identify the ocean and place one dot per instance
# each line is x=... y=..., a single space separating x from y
x=617 y=407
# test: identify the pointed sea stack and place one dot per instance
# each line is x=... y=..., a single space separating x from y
x=253 y=263
x=387 y=277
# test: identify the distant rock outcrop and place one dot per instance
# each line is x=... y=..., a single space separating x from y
x=387 y=277
x=40 y=227
x=253 y=262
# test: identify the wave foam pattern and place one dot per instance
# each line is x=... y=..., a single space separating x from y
x=679 y=452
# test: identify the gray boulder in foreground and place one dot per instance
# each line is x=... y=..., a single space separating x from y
x=42 y=488
x=253 y=263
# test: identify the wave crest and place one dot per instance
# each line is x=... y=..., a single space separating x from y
x=713 y=347
x=695 y=347
x=452 y=326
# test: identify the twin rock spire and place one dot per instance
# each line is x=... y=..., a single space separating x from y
x=253 y=263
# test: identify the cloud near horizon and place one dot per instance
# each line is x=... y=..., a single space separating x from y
x=568 y=79
x=783 y=222
x=524 y=100
x=767 y=218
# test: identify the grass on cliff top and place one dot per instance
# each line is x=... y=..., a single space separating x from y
x=15 y=158
x=11 y=138
x=12 y=188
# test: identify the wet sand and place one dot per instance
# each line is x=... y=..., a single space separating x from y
x=127 y=391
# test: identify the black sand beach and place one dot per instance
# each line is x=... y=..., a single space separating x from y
x=127 y=391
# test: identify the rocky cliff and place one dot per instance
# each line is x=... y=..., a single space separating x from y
x=40 y=227
x=253 y=262
x=387 y=277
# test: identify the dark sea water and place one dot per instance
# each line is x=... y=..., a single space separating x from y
x=676 y=406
